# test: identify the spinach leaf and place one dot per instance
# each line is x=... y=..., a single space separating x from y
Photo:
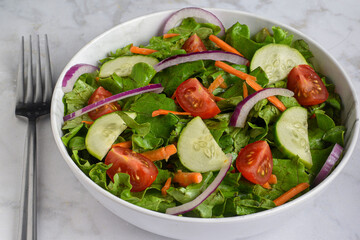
x=289 y=173
x=160 y=127
x=238 y=36
x=170 y=78
x=335 y=135
x=142 y=73
x=319 y=157
x=324 y=122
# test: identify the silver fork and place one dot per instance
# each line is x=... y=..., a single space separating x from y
x=33 y=100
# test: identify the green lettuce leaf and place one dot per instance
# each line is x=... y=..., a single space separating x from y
x=78 y=97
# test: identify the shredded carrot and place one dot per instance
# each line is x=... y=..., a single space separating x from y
x=272 y=179
x=223 y=45
x=166 y=186
x=231 y=70
x=126 y=144
x=291 y=193
x=216 y=98
x=251 y=81
x=245 y=90
x=266 y=185
x=186 y=178
x=170 y=35
x=223 y=85
x=160 y=153
x=87 y=122
x=143 y=51
x=216 y=83
x=165 y=112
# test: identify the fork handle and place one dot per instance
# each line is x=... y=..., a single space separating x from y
x=28 y=227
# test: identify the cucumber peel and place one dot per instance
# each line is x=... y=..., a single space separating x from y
x=103 y=133
x=277 y=60
x=291 y=135
x=197 y=149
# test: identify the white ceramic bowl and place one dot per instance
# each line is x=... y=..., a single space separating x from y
x=194 y=228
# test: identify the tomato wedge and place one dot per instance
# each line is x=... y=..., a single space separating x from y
x=307 y=85
x=194 y=44
x=142 y=171
x=255 y=162
x=194 y=98
x=99 y=94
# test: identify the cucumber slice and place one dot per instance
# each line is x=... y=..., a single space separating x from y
x=122 y=66
x=276 y=60
x=291 y=134
x=103 y=133
x=197 y=149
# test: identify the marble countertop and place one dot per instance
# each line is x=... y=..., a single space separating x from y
x=65 y=209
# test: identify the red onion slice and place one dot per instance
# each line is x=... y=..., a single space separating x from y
x=238 y=119
x=205 y=194
x=74 y=73
x=215 y=55
x=329 y=164
x=157 y=88
x=198 y=13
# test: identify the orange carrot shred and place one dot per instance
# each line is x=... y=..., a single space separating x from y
x=170 y=35
x=223 y=45
x=186 y=178
x=143 y=51
x=217 y=99
x=166 y=186
x=231 y=70
x=87 y=122
x=272 y=179
x=245 y=90
x=291 y=193
x=166 y=112
x=126 y=144
x=160 y=153
x=216 y=83
x=251 y=81
x=223 y=85
x=266 y=185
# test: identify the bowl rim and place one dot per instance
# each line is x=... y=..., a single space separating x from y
x=302 y=199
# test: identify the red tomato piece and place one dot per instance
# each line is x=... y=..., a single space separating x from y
x=307 y=86
x=255 y=162
x=142 y=171
x=194 y=44
x=100 y=94
x=193 y=97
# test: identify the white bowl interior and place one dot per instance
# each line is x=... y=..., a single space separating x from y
x=182 y=227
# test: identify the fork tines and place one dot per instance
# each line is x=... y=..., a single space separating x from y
x=34 y=91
